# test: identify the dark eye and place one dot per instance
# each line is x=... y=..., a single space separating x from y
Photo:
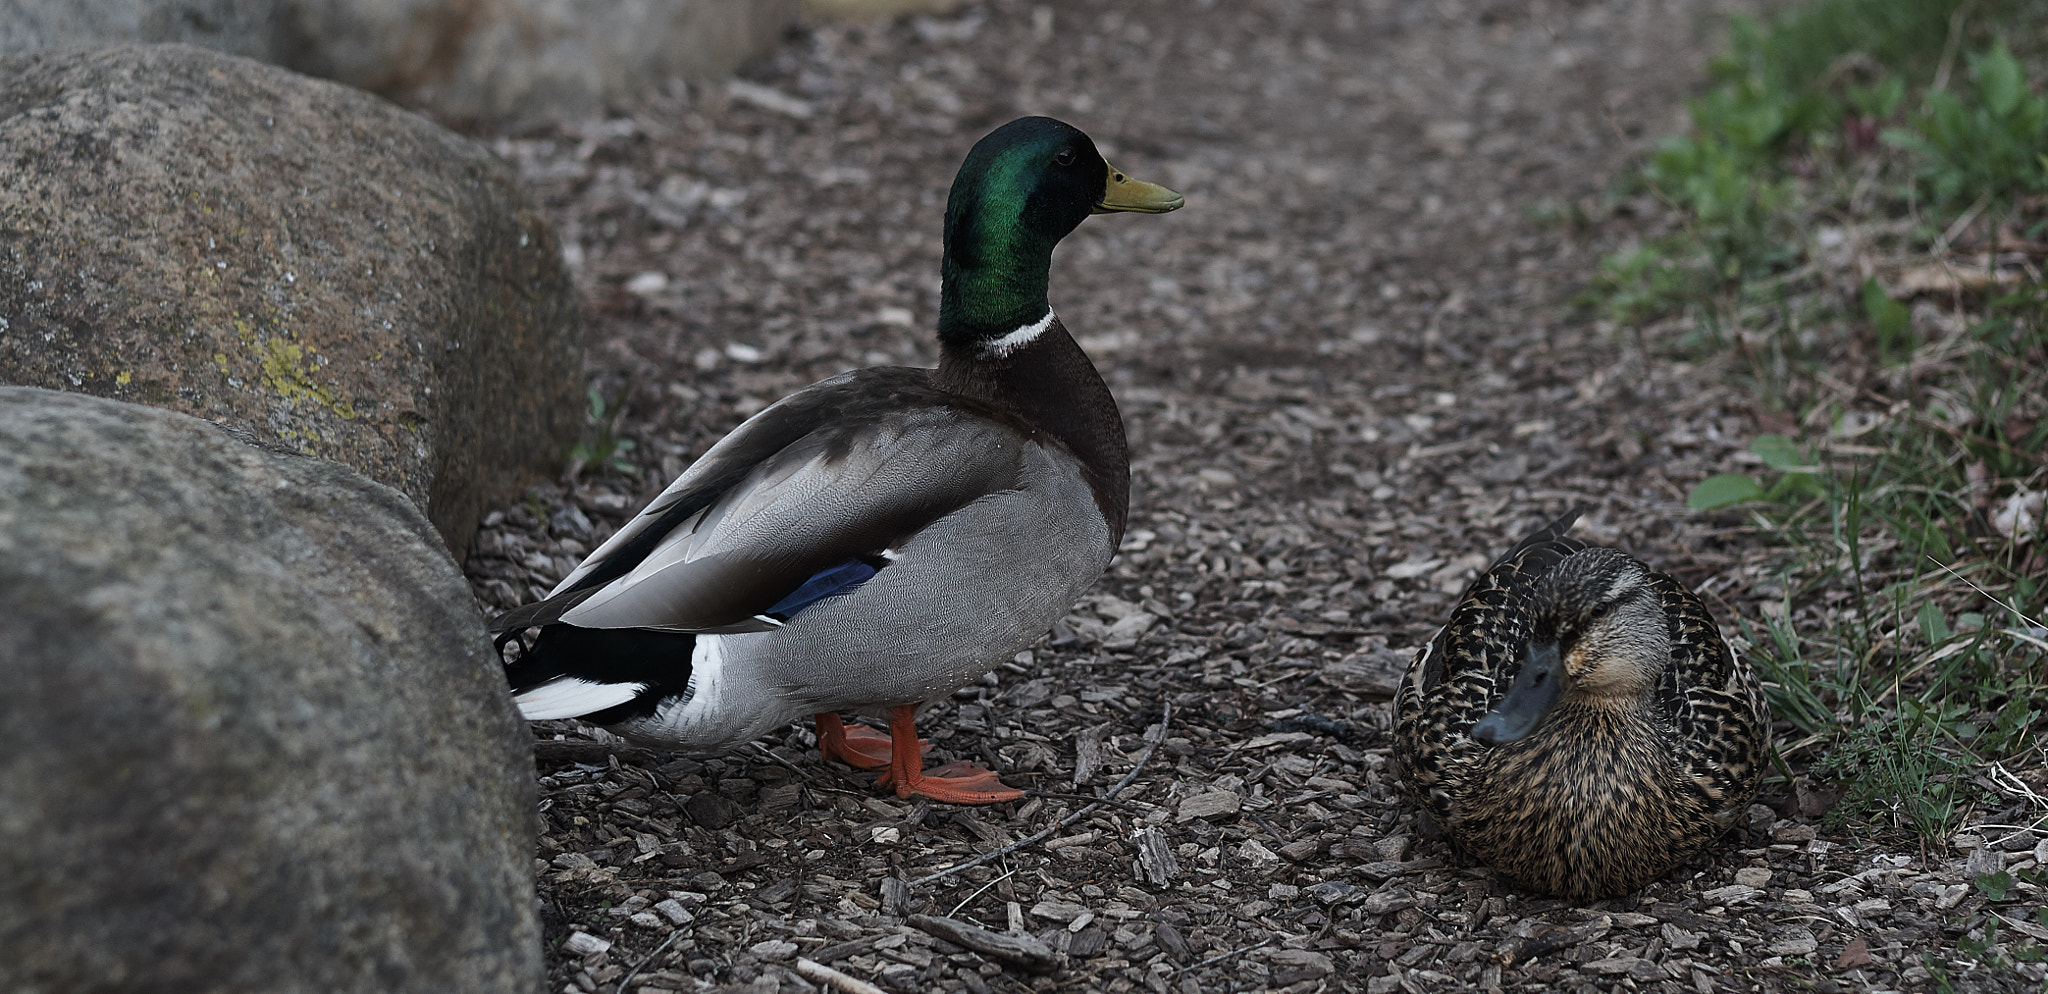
x=1065 y=158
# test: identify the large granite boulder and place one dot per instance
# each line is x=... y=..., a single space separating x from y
x=529 y=59
x=254 y=736
x=237 y=27
x=458 y=59
x=221 y=237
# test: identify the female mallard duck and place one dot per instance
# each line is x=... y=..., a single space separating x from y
x=1579 y=725
x=882 y=538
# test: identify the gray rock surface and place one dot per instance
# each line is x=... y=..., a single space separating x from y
x=237 y=27
x=528 y=59
x=254 y=737
x=224 y=238
x=458 y=59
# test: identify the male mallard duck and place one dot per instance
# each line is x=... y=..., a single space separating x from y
x=882 y=538
x=1628 y=740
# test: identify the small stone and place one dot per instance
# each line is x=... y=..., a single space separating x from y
x=1209 y=805
x=584 y=944
x=674 y=911
x=1793 y=942
x=647 y=284
x=1753 y=876
x=1794 y=833
x=575 y=861
x=1251 y=851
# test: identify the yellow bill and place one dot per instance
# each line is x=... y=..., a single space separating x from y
x=1122 y=193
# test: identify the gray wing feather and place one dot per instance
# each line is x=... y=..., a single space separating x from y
x=837 y=493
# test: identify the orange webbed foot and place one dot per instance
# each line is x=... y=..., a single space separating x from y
x=857 y=746
x=957 y=782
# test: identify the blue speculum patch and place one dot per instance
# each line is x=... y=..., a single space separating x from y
x=832 y=580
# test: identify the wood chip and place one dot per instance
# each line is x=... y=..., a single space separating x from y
x=1088 y=753
x=1209 y=804
x=1155 y=856
x=1020 y=950
x=813 y=970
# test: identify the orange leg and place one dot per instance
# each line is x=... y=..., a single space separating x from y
x=953 y=783
x=857 y=746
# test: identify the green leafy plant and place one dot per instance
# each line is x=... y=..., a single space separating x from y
x=1890 y=319
x=1842 y=142
x=1798 y=478
x=1648 y=282
x=601 y=445
x=1990 y=144
x=1904 y=771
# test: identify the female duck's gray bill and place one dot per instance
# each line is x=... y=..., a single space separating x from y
x=1122 y=193
x=1528 y=699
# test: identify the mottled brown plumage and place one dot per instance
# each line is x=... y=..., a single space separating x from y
x=1625 y=736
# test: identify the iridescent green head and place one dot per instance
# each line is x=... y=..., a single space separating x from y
x=1023 y=188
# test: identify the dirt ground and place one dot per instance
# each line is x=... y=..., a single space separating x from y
x=1351 y=375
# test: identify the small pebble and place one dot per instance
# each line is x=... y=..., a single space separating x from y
x=583 y=944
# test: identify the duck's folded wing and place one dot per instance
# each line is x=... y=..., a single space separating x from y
x=847 y=490
x=841 y=492
x=1716 y=705
x=849 y=398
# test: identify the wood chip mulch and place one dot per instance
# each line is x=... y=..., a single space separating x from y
x=1351 y=375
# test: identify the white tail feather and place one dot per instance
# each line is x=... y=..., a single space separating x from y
x=569 y=697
